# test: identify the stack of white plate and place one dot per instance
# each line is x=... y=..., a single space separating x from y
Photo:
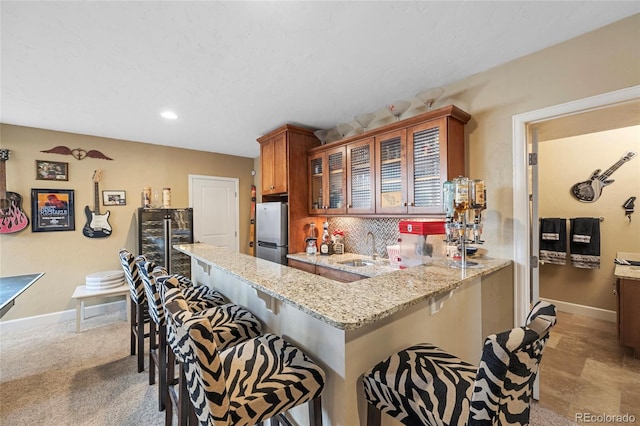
x=104 y=280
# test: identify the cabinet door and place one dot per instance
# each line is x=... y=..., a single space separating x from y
x=336 y=180
x=390 y=160
x=317 y=183
x=360 y=179
x=426 y=167
x=266 y=166
x=280 y=164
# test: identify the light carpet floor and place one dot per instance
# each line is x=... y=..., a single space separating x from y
x=56 y=376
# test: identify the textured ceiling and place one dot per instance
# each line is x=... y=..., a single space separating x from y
x=235 y=70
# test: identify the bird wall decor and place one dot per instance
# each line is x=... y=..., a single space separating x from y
x=77 y=153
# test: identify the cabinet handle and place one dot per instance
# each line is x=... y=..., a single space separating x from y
x=272 y=187
x=349 y=206
x=404 y=204
x=411 y=204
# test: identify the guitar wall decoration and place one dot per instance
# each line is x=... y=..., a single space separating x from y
x=12 y=217
x=97 y=225
x=590 y=190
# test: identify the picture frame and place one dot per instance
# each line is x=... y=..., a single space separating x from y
x=114 y=198
x=52 y=210
x=52 y=170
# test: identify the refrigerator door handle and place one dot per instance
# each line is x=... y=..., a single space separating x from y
x=265 y=244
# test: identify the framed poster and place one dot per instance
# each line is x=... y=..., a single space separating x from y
x=52 y=210
x=114 y=198
x=52 y=170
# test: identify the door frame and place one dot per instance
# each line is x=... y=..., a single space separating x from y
x=521 y=188
x=236 y=182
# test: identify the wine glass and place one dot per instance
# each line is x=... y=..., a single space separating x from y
x=398 y=107
x=322 y=135
x=364 y=119
x=429 y=96
x=343 y=129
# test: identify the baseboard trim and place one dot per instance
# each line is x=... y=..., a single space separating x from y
x=27 y=323
x=587 y=311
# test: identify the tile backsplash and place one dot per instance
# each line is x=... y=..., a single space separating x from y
x=386 y=231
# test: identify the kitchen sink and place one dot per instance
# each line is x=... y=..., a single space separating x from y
x=356 y=262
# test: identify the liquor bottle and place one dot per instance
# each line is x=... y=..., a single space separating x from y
x=461 y=194
x=477 y=196
x=448 y=194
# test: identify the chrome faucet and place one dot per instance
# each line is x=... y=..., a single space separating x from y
x=373 y=244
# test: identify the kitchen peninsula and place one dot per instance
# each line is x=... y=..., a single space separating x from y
x=347 y=328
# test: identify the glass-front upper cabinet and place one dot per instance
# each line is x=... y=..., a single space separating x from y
x=391 y=182
x=427 y=166
x=328 y=178
x=360 y=179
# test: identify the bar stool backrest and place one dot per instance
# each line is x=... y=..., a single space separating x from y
x=156 y=310
x=195 y=346
x=128 y=262
x=509 y=364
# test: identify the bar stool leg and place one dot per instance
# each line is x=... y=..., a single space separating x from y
x=153 y=352
x=374 y=416
x=183 y=399
x=140 y=337
x=133 y=324
x=315 y=412
x=162 y=367
x=170 y=395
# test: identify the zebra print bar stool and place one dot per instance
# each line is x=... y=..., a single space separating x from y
x=424 y=385
x=252 y=381
x=231 y=325
x=198 y=298
x=139 y=310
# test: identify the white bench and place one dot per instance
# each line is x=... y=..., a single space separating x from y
x=81 y=294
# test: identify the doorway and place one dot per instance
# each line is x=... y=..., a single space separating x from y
x=215 y=210
x=601 y=106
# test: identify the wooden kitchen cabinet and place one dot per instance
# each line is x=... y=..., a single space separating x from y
x=338 y=275
x=334 y=274
x=435 y=153
x=628 y=314
x=391 y=172
x=411 y=159
x=283 y=154
x=327 y=182
x=360 y=177
x=274 y=164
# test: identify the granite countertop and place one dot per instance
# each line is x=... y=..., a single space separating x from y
x=627 y=271
x=343 y=306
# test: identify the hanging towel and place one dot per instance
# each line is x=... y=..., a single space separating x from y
x=585 y=242
x=553 y=240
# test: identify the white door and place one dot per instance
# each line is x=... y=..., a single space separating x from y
x=215 y=210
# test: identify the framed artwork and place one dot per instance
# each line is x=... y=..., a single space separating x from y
x=114 y=198
x=52 y=170
x=52 y=210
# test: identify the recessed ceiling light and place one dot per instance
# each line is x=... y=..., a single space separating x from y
x=169 y=115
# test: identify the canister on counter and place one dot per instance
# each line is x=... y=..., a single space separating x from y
x=146 y=197
x=166 y=197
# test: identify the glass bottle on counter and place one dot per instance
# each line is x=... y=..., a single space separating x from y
x=312 y=248
x=461 y=194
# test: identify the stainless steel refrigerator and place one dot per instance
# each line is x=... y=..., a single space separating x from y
x=159 y=230
x=272 y=231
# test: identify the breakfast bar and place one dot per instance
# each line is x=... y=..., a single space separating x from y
x=349 y=327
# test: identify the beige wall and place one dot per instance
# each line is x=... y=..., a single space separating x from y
x=67 y=257
x=564 y=162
